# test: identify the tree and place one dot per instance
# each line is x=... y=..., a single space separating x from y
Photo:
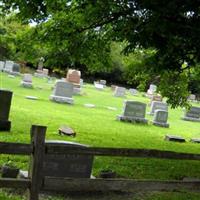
x=171 y=28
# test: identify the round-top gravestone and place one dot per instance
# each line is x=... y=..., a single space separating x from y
x=5 y=103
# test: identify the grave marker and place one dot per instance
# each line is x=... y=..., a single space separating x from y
x=133 y=111
x=62 y=92
x=2 y=63
x=69 y=165
x=5 y=103
x=120 y=92
x=27 y=81
x=157 y=105
x=193 y=114
x=160 y=118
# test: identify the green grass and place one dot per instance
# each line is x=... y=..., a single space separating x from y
x=98 y=127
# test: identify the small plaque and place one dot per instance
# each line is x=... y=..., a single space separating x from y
x=195 y=140
x=174 y=138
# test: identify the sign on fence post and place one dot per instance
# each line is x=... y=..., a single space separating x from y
x=36 y=161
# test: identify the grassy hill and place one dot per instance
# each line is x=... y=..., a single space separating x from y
x=98 y=127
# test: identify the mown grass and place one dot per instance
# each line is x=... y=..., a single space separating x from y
x=98 y=127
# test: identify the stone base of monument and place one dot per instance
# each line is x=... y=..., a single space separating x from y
x=132 y=119
x=5 y=125
x=26 y=84
x=60 y=99
x=166 y=125
x=191 y=119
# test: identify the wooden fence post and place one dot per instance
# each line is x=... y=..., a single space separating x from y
x=36 y=161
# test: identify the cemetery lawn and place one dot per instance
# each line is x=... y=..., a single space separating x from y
x=98 y=127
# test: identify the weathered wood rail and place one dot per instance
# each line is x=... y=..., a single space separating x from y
x=37 y=150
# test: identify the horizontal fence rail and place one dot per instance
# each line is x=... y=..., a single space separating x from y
x=125 y=152
x=14 y=183
x=123 y=185
x=15 y=148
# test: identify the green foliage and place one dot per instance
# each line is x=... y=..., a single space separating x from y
x=81 y=32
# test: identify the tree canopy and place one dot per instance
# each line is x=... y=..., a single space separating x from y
x=84 y=29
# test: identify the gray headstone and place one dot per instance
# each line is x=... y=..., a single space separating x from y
x=120 y=92
x=103 y=82
x=2 y=63
x=133 y=91
x=157 y=105
x=5 y=103
x=16 y=67
x=27 y=81
x=70 y=165
x=8 y=67
x=192 y=97
x=160 y=118
x=193 y=114
x=63 y=92
x=133 y=111
x=63 y=89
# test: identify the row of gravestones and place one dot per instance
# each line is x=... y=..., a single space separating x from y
x=10 y=67
x=134 y=111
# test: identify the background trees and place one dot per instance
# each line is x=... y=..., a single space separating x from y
x=162 y=38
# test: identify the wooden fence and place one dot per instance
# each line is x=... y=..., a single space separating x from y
x=37 y=150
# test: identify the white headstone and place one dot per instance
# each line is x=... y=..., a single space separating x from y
x=98 y=86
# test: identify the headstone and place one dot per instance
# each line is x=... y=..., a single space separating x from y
x=195 y=140
x=111 y=108
x=155 y=98
x=98 y=86
x=81 y=82
x=192 y=97
x=103 y=82
x=45 y=71
x=193 y=114
x=27 y=81
x=68 y=165
x=160 y=118
x=174 y=138
x=16 y=69
x=133 y=91
x=73 y=76
x=120 y=92
x=88 y=105
x=8 y=66
x=157 y=105
x=5 y=103
x=133 y=111
x=2 y=63
x=32 y=97
x=41 y=63
x=63 y=92
x=113 y=87
x=152 y=89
